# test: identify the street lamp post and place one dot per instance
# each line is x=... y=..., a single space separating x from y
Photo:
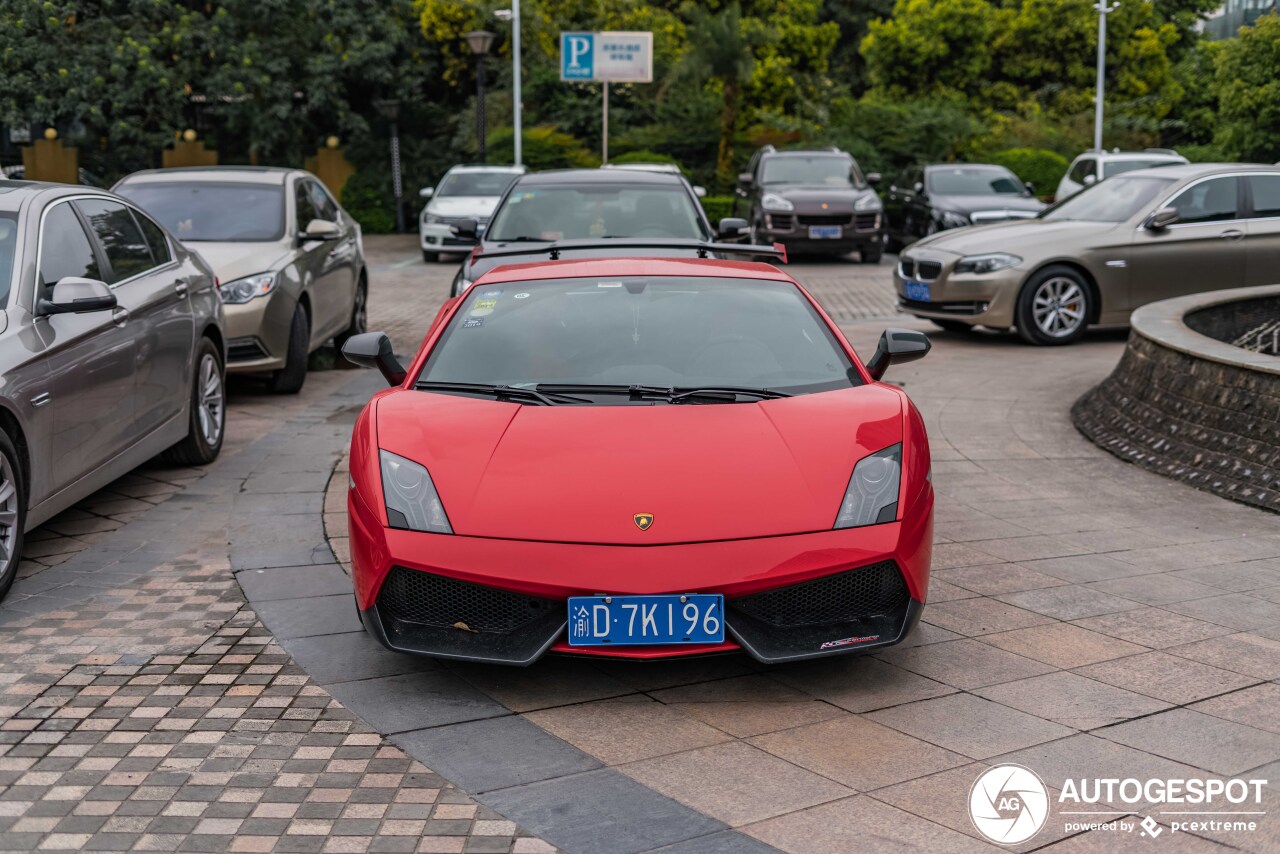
x=1104 y=9
x=390 y=109
x=517 y=107
x=480 y=41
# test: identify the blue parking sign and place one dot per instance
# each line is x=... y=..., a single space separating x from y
x=577 y=56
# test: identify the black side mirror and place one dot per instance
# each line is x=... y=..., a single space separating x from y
x=897 y=346
x=1161 y=219
x=373 y=350
x=467 y=229
x=731 y=227
x=745 y=178
x=918 y=188
x=1031 y=188
x=873 y=178
x=73 y=295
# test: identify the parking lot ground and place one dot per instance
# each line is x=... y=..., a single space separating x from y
x=1085 y=619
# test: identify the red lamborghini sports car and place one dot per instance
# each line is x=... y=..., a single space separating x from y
x=640 y=458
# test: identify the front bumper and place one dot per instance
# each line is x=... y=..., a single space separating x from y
x=503 y=601
x=258 y=332
x=857 y=230
x=439 y=237
x=985 y=300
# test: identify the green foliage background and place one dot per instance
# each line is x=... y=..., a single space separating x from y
x=897 y=82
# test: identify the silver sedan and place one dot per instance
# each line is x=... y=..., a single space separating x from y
x=111 y=352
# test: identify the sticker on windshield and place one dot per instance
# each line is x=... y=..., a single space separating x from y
x=472 y=322
x=485 y=303
x=552 y=235
x=608 y=284
x=520 y=296
x=493 y=294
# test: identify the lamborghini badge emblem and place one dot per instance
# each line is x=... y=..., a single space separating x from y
x=644 y=521
x=824 y=206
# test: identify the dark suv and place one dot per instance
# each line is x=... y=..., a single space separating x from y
x=813 y=201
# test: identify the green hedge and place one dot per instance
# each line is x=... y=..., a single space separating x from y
x=1039 y=167
x=642 y=155
x=717 y=207
x=367 y=197
x=544 y=147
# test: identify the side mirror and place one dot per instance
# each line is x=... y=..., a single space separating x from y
x=732 y=226
x=467 y=229
x=320 y=229
x=426 y=192
x=873 y=178
x=740 y=192
x=74 y=295
x=1031 y=188
x=897 y=346
x=1161 y=219
x=373 y=350
x=700 y=191
x=1090 y=180
x=918 y=187
x=745 y=178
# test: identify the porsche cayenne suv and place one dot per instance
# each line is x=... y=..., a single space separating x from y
x=112 y=352
x=1136 y=238
x=290 y=260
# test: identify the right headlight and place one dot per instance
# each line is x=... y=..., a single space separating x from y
x=430 y=218
x=411 y=498
x=774 y=202
x=872 y=495
x=988 y=263
x=250 y=287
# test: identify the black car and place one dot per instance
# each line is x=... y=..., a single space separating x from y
x=952 y=195
x=592 y=207
x=813 y=201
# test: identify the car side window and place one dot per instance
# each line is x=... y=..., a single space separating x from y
x=119 y=236
x=155 y=237
x=65 y=249
x=1213 y=200
x=1084 y=167
x=323 y=203
x=306 y=208
x=1266 y=195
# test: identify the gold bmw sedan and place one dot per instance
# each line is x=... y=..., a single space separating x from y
x=1093 y=258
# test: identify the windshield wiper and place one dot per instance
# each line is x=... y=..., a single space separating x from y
x=504 y=392
x=521 y=239
x=671 y=394
x=681 y=394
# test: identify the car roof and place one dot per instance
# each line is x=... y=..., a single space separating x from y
x=587 y=267
x=237 y=174
x=645 y=167
x=806 y=152
x=597 y=176
x=488 y=167
x=1135 y=155
x=1181 y=171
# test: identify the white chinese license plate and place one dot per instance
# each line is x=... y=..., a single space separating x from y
x=691 y=618
x=825 y=232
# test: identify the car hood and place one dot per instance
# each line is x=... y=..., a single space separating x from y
x=231 y=261
x=581 y=473
x=537 y=252
x=838 y=198
x=463 y=206
x=969 y=204
x=1013 y=236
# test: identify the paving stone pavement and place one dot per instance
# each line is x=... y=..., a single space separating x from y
x=1086 y=619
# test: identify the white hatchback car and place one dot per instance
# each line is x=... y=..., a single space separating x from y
x=465 y=192
x=1092 y=166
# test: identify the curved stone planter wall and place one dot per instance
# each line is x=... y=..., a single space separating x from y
x=1192 y=407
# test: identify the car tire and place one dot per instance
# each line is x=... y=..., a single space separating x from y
x=871 y=254
x=430 y=257
x=1054 y=307
x=359 y=315
x=289 y=379
x=13 y=512
x=951 y=325
x=207 y=419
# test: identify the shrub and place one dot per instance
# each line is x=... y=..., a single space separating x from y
x=717 y=207
x=1203 y=153
x=545 y=147
x=367 y=197
x=645 y=156
x=1037 y=166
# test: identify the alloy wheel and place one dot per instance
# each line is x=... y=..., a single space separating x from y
x=211 y=400
x=1058 y=306
x=8 y=514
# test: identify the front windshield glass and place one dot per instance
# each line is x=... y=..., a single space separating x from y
x=209 y=211
x=1115 y=167
x=475 y=183
x=8 y=253
x=973 y=181
x=596 y=211
x=825 y=170
x=1108 y=201
x=667 y=331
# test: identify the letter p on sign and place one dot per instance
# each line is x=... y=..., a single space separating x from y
x=577 y=56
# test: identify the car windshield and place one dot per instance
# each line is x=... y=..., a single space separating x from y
x=826 y=170
x=209 y=211
x=974 y=181
x=670 y=331
x=1108 y=201
x=597 y=211
x=475 y=183
x=8 y=253
x=1115 y=167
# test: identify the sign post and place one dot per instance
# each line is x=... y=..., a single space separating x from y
x=604 y=57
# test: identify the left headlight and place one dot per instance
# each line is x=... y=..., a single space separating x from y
x=869 y=202
x=952 y=219
x=410 y=497
x=872 y=495
x=774 y=202
x=431 y=219
x=250 y=287
x=988 y=263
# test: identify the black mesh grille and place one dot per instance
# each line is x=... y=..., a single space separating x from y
x=781 y=222
x=908 y=266
x=825 y=219
x=876 y=590
x=929 y=269
x=867 y=222
x=434 y=600
x=244 y=350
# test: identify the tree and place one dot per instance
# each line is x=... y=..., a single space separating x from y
x=1249 y=92
x=932 y=47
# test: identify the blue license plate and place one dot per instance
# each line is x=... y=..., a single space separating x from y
x=692 y=618
x=824 y=232
x=917 y=291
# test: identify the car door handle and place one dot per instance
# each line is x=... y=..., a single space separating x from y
x=120 y=315
x=181 y=289
x=1232 y=234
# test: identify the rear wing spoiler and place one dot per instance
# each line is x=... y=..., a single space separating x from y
x=703 y=248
